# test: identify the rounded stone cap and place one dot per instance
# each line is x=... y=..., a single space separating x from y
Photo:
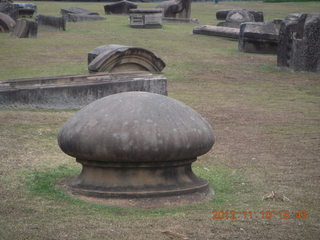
x=136 y=127
x=239 y=16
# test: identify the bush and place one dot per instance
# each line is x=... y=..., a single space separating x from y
x=274 y=1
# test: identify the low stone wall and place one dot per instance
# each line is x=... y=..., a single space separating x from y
x=75 y=91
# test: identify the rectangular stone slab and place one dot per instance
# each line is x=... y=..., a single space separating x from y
x=75 y=91
x=232 y=33
x=180 y=20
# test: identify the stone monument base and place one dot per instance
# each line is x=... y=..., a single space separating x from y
x=145 y=18
x=143 y=187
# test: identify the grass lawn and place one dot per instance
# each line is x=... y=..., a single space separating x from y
x=266 y=124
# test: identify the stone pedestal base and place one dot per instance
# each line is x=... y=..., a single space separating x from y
x=146 y=185
x=146 y=18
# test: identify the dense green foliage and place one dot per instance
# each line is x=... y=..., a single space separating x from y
x=276 y=1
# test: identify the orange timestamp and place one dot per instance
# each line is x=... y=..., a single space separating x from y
x=283 y=214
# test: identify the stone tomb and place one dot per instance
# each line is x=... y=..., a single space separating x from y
x=176 y=8
x=259 y=37
x=121 y=7
x=25 y=29
x=75 y=91
x=231 y=33
x=146 y=18
x=136 y=150
x=177 y=11
x=7 y=24
x=236 y=17
x=76 y=14
x=26 y=9
x=114 y=69
x=119 y=58
x=299 y=42
x=222 y=14
x=51 y=22
x=10 y=9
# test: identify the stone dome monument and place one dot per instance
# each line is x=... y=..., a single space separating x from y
x=136 y=149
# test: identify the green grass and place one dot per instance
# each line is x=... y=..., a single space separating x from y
x=277 y=1
x=266 y=123
x=43 y=183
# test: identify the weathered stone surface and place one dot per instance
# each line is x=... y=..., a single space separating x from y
x=222 y=14
x=259 y=37
x=98 y=50
x=138 y=146
x=51 y=22
x=76 y=10
x=146 y=18
x=74 y=91
x=76 y=14
x=227 y=32
x=299 y=42
x=176 y=8
x=26 y=9
x=83 y=17
x=10 y=9
x=236 y=17
x=25 y=29
x=180 y=20
x=121 y=7
x=7 y=24
x=119 y=58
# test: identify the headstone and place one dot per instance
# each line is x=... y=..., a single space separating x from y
x=121 y=7
x=101 y=49
x=25 y=29
x=136 y=150
x=51 y=22
x=259 y=37
x=118 y=58
x=146 y=18
x=232 y=33
x=222 y=14
x=7 y=24
x=236 y=17
x=176 y=8
x=10 y=9
x=76 y=14
x=74 y=91
x=299 y=42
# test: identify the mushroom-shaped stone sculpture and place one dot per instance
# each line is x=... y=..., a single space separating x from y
x=136 y=149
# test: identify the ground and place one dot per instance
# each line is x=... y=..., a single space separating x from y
x=266 y=123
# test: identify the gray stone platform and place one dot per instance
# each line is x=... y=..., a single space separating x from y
x=75 y=91
x=259 y=37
